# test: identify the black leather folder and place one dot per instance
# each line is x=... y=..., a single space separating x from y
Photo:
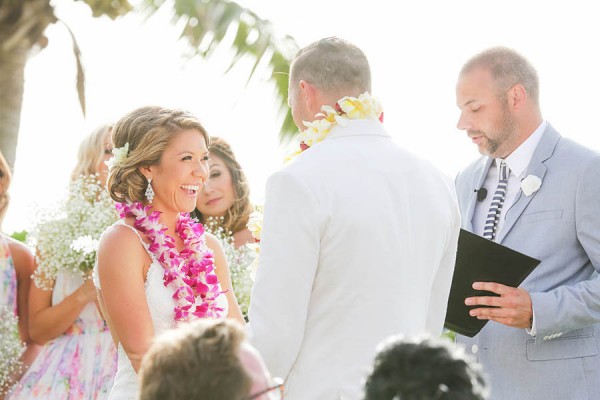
x=481 y=260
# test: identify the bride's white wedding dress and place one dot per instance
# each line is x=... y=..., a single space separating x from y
x=161 y=305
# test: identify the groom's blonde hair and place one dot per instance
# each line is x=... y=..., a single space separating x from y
x=332 y=65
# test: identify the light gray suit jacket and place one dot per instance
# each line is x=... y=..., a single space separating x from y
x=560 y=225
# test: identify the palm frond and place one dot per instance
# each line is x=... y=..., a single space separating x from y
x=80 y=81
x=208 y=23
x=110 y=8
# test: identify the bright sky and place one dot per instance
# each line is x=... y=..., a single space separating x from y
x=415 y=50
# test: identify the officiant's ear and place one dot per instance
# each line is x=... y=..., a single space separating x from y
x=517 y=95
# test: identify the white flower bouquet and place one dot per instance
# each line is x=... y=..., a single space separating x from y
x=11 y=349
x=255 y=224
x=239 y=261
x=68 y=241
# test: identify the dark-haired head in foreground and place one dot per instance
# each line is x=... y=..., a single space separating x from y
x=423 y=369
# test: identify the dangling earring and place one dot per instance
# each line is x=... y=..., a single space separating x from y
x=149 y=191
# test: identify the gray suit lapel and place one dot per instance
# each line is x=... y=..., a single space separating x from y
x=479 y=175
x=536 y=167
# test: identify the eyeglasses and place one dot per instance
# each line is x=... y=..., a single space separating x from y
x=273 y=392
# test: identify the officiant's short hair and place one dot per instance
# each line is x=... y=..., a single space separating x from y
x=199 y=360
x=332 y=64
x=424 y=368
x=508 y=67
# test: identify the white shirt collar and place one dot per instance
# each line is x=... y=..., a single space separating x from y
x=519 y=159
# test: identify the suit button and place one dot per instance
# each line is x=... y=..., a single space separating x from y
x=474 y=349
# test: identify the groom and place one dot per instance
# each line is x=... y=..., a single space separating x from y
x=359 y=236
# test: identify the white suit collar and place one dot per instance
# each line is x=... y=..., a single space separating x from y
x=358 y=127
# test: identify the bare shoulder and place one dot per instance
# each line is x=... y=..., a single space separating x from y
x=121 y=234
x=22 y=256
x=243 y=237
x=119 y=246
x=18 y=249
x=212 y=242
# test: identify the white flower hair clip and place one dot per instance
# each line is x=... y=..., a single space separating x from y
x=119 y=155
x=530 y=184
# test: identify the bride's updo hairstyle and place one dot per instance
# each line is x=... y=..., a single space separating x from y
x=147 y=131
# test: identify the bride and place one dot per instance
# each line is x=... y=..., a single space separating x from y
x=156 y=268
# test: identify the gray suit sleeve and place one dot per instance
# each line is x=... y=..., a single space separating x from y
x=577 y=305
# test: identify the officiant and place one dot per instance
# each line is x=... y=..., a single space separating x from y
x=538 y=193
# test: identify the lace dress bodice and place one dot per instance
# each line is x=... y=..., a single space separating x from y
x=161 y=306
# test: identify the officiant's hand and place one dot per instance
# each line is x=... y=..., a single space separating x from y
x=513 y=306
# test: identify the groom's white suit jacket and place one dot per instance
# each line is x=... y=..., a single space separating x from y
x=358 y=243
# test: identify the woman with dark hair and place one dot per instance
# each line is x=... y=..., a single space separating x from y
x=225 y=196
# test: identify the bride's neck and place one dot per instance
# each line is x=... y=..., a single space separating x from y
x=170 y=221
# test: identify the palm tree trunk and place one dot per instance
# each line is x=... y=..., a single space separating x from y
x=22 y=25
x=12 y=70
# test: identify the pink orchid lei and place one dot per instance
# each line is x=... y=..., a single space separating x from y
x=191 y=271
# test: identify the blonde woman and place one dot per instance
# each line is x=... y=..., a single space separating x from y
x=78 y=360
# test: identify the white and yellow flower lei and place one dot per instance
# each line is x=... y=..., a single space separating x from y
x=363 y=107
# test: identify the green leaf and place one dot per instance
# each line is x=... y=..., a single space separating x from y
x=21 y=236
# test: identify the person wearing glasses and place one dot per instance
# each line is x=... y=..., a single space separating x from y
x=208 y=359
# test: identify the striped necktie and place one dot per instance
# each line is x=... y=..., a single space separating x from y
x=491 y=222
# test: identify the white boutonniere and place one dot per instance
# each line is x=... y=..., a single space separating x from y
x=530 y=184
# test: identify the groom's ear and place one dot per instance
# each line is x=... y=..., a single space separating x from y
x=309 y=95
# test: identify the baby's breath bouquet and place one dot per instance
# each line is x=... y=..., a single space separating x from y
x=68 y=241
x=11 y=349
x=239 y=261
x=255 y=224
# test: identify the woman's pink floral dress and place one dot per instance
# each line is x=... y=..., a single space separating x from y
x=80 y=364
